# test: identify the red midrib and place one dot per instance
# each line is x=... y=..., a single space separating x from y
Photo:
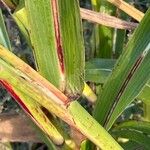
x=14 y=95
x=20 y=102
x=123 y=87
x=57 y=34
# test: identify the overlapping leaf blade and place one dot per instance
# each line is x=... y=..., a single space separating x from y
x=34 y=109
x=129 y=76
x=98 y=70
x=21 y=18
x=137 y=131
x=56 y=36
x=17 y=75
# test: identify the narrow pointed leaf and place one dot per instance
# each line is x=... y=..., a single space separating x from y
x=129 y=76
x=98 y=70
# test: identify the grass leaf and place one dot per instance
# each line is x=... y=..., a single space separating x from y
x=129 y=76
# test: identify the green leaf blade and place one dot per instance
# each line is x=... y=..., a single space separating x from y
x=73 y=46
x=97 y=70
x=137 y=131
x=41 y=28
x=129 y=76
x=4 y=39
